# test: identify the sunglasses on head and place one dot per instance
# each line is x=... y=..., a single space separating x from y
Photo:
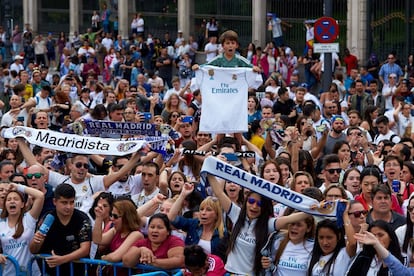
x=80 y=165
x=114 y=216
x=36 y=175
x=357 y=214
x=252 y=200
x=331 y=171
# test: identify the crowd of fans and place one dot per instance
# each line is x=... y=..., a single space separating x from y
x=353 y=143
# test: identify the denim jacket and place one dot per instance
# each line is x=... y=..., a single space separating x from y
x=194 y=230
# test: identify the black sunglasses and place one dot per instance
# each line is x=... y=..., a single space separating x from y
x=357 y=214
x=80 y=165
x=331 y=171
x=114 y=216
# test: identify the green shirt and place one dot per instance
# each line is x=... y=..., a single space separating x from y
x=236 y=61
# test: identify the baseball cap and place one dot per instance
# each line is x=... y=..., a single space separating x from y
x=18 y=57
x=337 y=118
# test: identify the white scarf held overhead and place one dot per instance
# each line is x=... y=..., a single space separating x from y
x=216 y=167
x=73 y=143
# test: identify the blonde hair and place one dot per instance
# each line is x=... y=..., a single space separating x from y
x=214 y=203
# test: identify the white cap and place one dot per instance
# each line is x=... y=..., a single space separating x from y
x=18 y=57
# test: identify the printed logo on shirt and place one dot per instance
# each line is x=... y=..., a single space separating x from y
x=292 y=262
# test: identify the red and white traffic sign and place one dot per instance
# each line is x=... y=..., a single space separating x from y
x=326 y=29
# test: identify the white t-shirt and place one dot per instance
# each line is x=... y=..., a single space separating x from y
x=339 y=266
x=403 y=123
x=224 y=92
x=107 y=43
x=140 y=25
x=389 y=136
x=18 y=248
x=400 y=232
x=388 y=92
x=241 y=259
x=132 y=186
x=334 y=58
x=141 y=198
x=84 y=190
x=210 y=47
x=294 y=260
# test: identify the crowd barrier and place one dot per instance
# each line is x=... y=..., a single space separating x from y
x=147 y=270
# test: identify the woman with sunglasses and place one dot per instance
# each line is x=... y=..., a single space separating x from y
x=207 y=230
x=252 y=224
x=405 y=233
x=122 y=235
x=368 y=261
x=357 y=215
x=17 y=226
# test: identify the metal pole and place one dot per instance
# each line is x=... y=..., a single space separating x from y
x=327 y=74
x=407 y=27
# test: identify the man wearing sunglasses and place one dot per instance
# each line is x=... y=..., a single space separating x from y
x=84 y=183
x=331 y=172
x=36 y=178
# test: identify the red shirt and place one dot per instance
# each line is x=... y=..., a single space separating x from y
x=351 y=62
x=162 y=250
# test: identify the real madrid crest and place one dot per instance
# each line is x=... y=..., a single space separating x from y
x=211 y=73
x=84 y=188
x=234 y=77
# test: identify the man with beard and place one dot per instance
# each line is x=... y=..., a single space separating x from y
x=331 y=172
x=361 y=99
x=335 y=134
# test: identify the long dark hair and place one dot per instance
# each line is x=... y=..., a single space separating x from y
x=317 y=250
x=260 y=230
x=4 y=214
x=363 y=260
x=409 y=230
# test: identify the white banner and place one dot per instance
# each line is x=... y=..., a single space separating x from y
x=216 y=167
x=73 y=143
